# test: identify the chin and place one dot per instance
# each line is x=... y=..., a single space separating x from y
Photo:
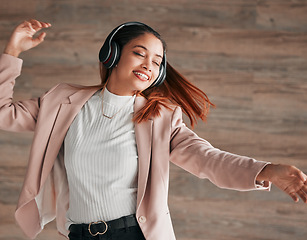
x=141 y=87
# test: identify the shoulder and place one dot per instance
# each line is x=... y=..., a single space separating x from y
x=169 y=113
x=65 y=90
x=169 y=109
x=63 y=87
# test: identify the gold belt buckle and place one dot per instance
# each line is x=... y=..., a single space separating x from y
x=101 y=221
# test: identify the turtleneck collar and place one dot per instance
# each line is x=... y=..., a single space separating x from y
x=114 y=99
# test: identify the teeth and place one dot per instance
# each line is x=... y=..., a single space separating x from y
x=142 y=75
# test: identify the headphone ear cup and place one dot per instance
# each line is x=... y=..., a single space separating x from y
x=162 y=73
x=114 y=56
x=159 y=80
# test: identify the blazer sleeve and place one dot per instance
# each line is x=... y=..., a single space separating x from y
x=199 y=157
x=16 y=116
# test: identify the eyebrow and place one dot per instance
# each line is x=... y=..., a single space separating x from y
x=141 y=46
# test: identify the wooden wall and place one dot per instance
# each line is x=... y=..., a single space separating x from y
x=250 y=57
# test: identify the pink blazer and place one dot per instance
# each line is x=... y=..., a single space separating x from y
x=164 y=139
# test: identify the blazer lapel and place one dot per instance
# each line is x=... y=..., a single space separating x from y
x=66 y=114
x=143 y=135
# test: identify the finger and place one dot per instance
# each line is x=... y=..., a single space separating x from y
x=39 y=24
x=23 y=24
x=36 y=24
x=302 y=195
x=39 y=39
x=42 y=36
x=302 y=176
x=29 y=26
x=304 y=188
x=294 y=197
x=45 y=24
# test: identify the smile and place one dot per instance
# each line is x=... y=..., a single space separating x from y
x=141 y=76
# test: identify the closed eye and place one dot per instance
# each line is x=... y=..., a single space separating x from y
x=158 y=64
x=139 y=54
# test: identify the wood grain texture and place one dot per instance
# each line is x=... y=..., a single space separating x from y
x=250 y=57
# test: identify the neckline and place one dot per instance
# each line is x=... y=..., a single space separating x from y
x=115 y=99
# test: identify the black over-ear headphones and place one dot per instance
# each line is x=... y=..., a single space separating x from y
x=109 y=53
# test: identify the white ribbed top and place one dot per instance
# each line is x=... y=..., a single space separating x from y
x=101 y=160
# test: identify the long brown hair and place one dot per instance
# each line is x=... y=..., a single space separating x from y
x=175 y=90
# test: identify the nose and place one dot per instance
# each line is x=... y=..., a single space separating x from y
x=146 y=66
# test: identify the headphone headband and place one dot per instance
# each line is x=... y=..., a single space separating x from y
x=105 y=50
x=109 y=53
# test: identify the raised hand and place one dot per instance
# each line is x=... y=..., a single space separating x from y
x=22 y=37
x=287 y=178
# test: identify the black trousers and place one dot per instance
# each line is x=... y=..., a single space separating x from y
x=132 y=233
x=125 y=232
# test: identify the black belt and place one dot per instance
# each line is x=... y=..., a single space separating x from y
x=101 y=227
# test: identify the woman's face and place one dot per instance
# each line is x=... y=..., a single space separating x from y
x=138 y=66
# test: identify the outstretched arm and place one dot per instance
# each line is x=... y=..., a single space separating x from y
x=289 y=179
x=22 y=37
x=21 y=115
x=228 y=170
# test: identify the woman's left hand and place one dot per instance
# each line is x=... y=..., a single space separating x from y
x=288 y=178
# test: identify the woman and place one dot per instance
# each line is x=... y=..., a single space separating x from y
x=100 y=156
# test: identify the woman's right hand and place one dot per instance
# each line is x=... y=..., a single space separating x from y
x=22 y=37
